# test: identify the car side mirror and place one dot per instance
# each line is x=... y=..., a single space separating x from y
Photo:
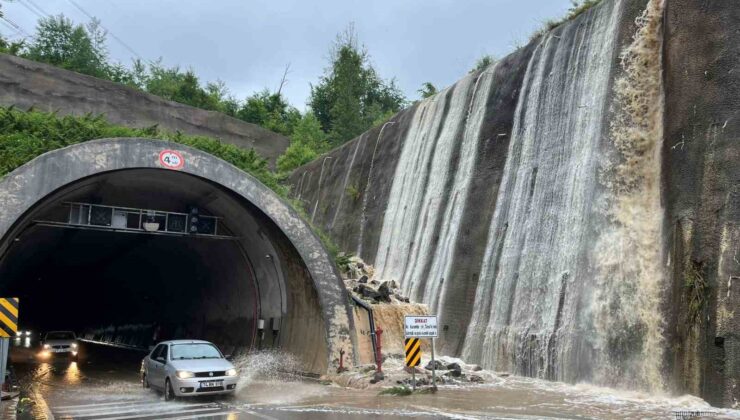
x=228 y=356
x=160 y=359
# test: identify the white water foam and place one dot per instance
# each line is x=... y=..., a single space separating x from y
x=422 y=220
x=535 y=277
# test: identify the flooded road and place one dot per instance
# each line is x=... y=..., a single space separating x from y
x=104 y=384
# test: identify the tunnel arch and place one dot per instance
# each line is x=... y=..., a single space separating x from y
x=57 y=171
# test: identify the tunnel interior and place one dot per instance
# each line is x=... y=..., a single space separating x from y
x=241 y=285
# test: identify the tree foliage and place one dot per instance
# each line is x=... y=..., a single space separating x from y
x=10 y=47
x=184 y=87
x=350 y=97
x=270 y=110
x=62 y=43
x=482 y=63
x=26 y=135
x=307 y=142
x=427 y=90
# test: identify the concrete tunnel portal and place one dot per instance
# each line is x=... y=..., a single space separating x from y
x=255 y=278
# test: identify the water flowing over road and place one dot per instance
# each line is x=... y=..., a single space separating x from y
x=104 y=384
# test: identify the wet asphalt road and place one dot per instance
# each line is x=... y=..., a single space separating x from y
x=104 y=385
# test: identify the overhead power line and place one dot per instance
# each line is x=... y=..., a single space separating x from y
x=16 y=32
x=17 y=27
x=119 y=40
x=32 y=10
x=36 y=6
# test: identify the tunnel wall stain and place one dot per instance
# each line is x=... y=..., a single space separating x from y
x=23 y=188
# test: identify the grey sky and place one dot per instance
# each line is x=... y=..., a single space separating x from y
x=247 y=43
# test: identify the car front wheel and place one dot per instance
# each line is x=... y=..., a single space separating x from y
x=169 y=393
x=144 y=381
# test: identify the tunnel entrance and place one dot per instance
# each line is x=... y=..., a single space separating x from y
x=259 y=280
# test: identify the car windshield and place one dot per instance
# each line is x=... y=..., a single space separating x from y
x=194 y=351
x=60 y=335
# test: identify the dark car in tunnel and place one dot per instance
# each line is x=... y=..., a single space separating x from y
x=187 y=368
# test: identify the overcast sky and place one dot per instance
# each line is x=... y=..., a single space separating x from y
x=247 y=43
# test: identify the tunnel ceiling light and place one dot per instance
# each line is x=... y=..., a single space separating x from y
x=150 y=226
x=194 y=220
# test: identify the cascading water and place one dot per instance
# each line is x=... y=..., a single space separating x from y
x=535 y=277
x=569 y=285
x=429 y=190
x=629 y=252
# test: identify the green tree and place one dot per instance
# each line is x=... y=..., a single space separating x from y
x=270 y=110
x=184 y=87
x=60 y=42
x=350 y=96
x=482 y=63
x=11 y=47
x=8 y=46
x=307 y=142
x=427 y=90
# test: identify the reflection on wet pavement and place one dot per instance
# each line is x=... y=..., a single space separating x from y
x=104 y=384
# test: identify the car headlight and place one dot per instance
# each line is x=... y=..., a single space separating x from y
x=231 y=372
x=184 y=374
x=46 y=346
x=73 y=345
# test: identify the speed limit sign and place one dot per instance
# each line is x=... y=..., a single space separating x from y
x=171 y=159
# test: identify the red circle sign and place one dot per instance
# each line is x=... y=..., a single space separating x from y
x=171 y=159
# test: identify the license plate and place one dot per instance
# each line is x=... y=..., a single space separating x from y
x=211 y=384
x=59 y=350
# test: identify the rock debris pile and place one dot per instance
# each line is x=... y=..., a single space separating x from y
x=358 y=278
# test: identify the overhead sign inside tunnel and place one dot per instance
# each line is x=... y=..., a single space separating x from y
x=171 y=159
x=8 y=316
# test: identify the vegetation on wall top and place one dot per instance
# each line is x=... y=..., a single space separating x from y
x=26 y=135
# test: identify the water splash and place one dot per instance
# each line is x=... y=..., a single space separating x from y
x=267 y=365
x=629 y=253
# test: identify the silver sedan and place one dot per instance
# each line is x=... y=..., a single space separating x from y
x=186 y=368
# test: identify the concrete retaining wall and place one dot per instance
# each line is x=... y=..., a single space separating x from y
x=346 y=192
x=26 y=84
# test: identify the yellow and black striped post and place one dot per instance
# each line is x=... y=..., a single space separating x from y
x=8 y=317
x=413 y=357
x=413 y=352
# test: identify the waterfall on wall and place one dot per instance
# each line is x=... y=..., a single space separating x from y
x=628 y=254
x=570 y=283
x=430 y=188
x=535 y=277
